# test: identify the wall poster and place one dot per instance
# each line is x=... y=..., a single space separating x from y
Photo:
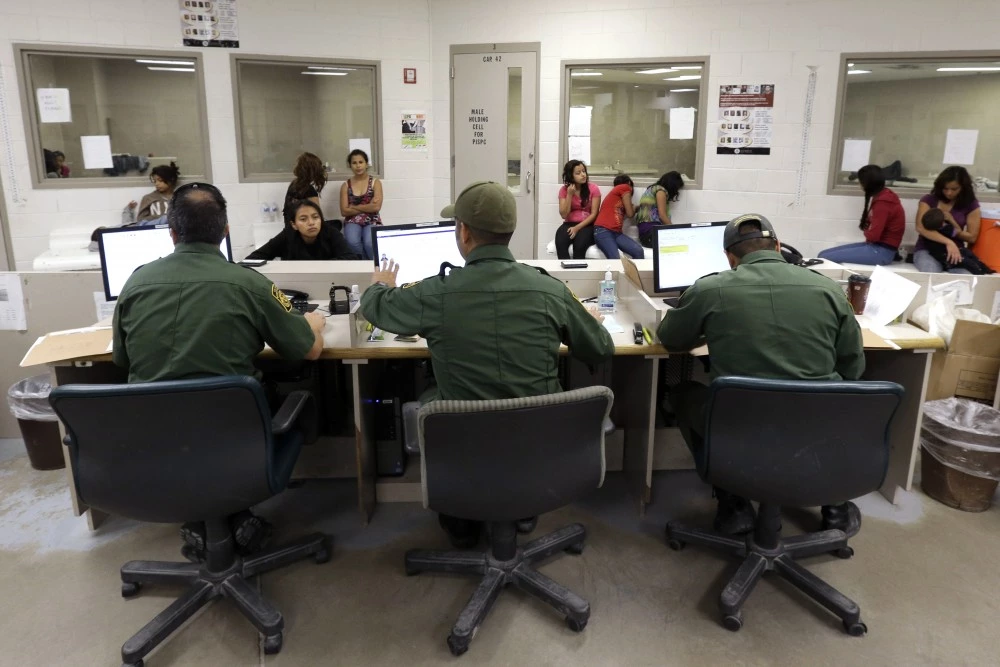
x=414 y=131
x=746 y=119
x=209 y=23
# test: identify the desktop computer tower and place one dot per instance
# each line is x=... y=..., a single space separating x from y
x=393 y=389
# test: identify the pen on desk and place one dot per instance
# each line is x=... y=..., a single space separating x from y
x=647 y=336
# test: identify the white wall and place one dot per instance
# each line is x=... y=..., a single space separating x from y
x=748 y=42
x=395 y=32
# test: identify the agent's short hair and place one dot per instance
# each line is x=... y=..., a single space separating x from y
x=198 y=214
x=483 y=237
x=743 y=248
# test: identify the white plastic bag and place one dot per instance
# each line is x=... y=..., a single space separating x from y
x=939 y=315
x=964 y=435
x=29 y=399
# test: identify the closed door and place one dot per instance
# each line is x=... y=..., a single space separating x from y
x=494 y=121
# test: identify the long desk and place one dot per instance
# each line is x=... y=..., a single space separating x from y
x=899 y=353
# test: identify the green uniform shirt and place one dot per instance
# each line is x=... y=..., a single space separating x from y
x=194 y=314
x=493 y=327
x=769 y=319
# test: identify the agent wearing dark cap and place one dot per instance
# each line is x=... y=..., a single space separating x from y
x=494 y=326
x=765 y=318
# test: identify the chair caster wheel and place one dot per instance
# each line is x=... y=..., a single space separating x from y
x=845 y=553
x=675 y=544
x=575 y=625
x=857 y=629
x=575 y=549
x=732 y=622
x=272 y=644
x=458 y=645
x=130 y=589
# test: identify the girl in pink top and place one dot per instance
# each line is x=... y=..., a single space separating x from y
x=579 y=202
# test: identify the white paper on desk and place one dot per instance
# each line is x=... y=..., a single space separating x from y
x=682 y=123
x=53 y=105
x=579 y=121
x=364 y=145
x=611 y=324
x=12 y=314
x=960 y=147
x=103 y=307
x=579 y=149
x=889 y=296
x=96 y=152
x=960 y=288
x=857 y=153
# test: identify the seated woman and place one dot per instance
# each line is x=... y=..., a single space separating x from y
x=883 y=222
x=954 y=196
x=360 y=203
x=654 y=205
x=152 y=210
x=310 y=177
x=579 y=202
x=306 y=236
x=608 y=234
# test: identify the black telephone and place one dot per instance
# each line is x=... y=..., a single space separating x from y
x=337 y=306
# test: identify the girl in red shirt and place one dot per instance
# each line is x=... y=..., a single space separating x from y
x=882 y=221
x=608 y=227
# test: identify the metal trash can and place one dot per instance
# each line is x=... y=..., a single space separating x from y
x=29 y=403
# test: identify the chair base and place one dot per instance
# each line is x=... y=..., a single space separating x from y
x=758 y=559
x=205 y=584
x=507 y=564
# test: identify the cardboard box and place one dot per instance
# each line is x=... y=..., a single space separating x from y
x=58 y=346
x=970 y=367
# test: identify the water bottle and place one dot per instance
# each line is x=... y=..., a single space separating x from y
x=354 y=298
x=265 y=212
x=275 y=212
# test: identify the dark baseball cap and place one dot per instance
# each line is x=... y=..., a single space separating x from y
x=485 y=205
x=732 y=235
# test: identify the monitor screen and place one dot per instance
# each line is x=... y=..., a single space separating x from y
x=684 y=253
x=419 y=249
x=126 y=249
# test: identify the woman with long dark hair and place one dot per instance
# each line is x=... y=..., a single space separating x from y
x=882 y=221
x=310 y=177
x=306 y=236
x=654 y=205
x=579 y=202
x=954 y=196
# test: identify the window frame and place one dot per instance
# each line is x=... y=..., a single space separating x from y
x=700 y=127
x=235 y=59
x=837 y=148
x=29 y=111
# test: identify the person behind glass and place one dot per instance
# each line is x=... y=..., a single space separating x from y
x=654 y=205
x=55 y=164
x=952 y=195
x=579 y=202
x=360 y=211
x=883 y=222
x=155 y=204
x=608 y=227
x=306 y=236
x=310 y=177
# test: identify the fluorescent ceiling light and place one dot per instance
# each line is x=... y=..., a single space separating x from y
x=850 y=64
x=586 y=74
x=683 y=90
x=343 y=69
x=326 y=73
x=968 y=69
x=860 y=71
x=686 y=66
x=659 y=70
x=171 y=69
x=189 y=63
x=684 y=77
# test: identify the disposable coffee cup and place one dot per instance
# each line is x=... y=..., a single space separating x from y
x=857 y=292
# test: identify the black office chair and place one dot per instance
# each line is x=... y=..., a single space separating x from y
x=499 y=461
x=188 y=450
x=791 y=444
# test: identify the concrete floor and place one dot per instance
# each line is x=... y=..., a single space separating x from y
x=925 y=575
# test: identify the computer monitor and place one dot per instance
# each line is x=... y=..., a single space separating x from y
x=684 y=253
x=125 y=249
x=418 y=248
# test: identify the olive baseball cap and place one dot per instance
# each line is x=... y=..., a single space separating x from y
x=485 y=205
x=732 y=235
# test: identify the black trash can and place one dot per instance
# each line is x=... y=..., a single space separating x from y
x=29 y=403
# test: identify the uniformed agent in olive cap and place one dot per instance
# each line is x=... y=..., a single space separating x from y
x=494 y=326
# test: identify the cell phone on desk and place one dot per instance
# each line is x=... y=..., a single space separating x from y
x=573 y=265
x=252 y=263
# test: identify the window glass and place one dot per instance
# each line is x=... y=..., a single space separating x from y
x=289 y=107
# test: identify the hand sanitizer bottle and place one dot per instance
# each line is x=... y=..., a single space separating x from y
x=606 y=300
x=354 y=298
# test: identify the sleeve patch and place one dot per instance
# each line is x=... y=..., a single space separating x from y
x=413 y=284
x=280 y=297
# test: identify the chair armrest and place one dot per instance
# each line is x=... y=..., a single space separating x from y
x=290 y=410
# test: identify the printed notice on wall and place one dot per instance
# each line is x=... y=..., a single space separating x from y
x=96 y=151
x=960 y=147
x=12 y=315
x=478 y=123
x=414 y=131
x=857 y=153
x=746 y=119
x=209 y=23
x=53 y=105
x=682 y=123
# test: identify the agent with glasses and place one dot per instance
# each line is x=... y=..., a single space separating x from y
x=194 y=314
